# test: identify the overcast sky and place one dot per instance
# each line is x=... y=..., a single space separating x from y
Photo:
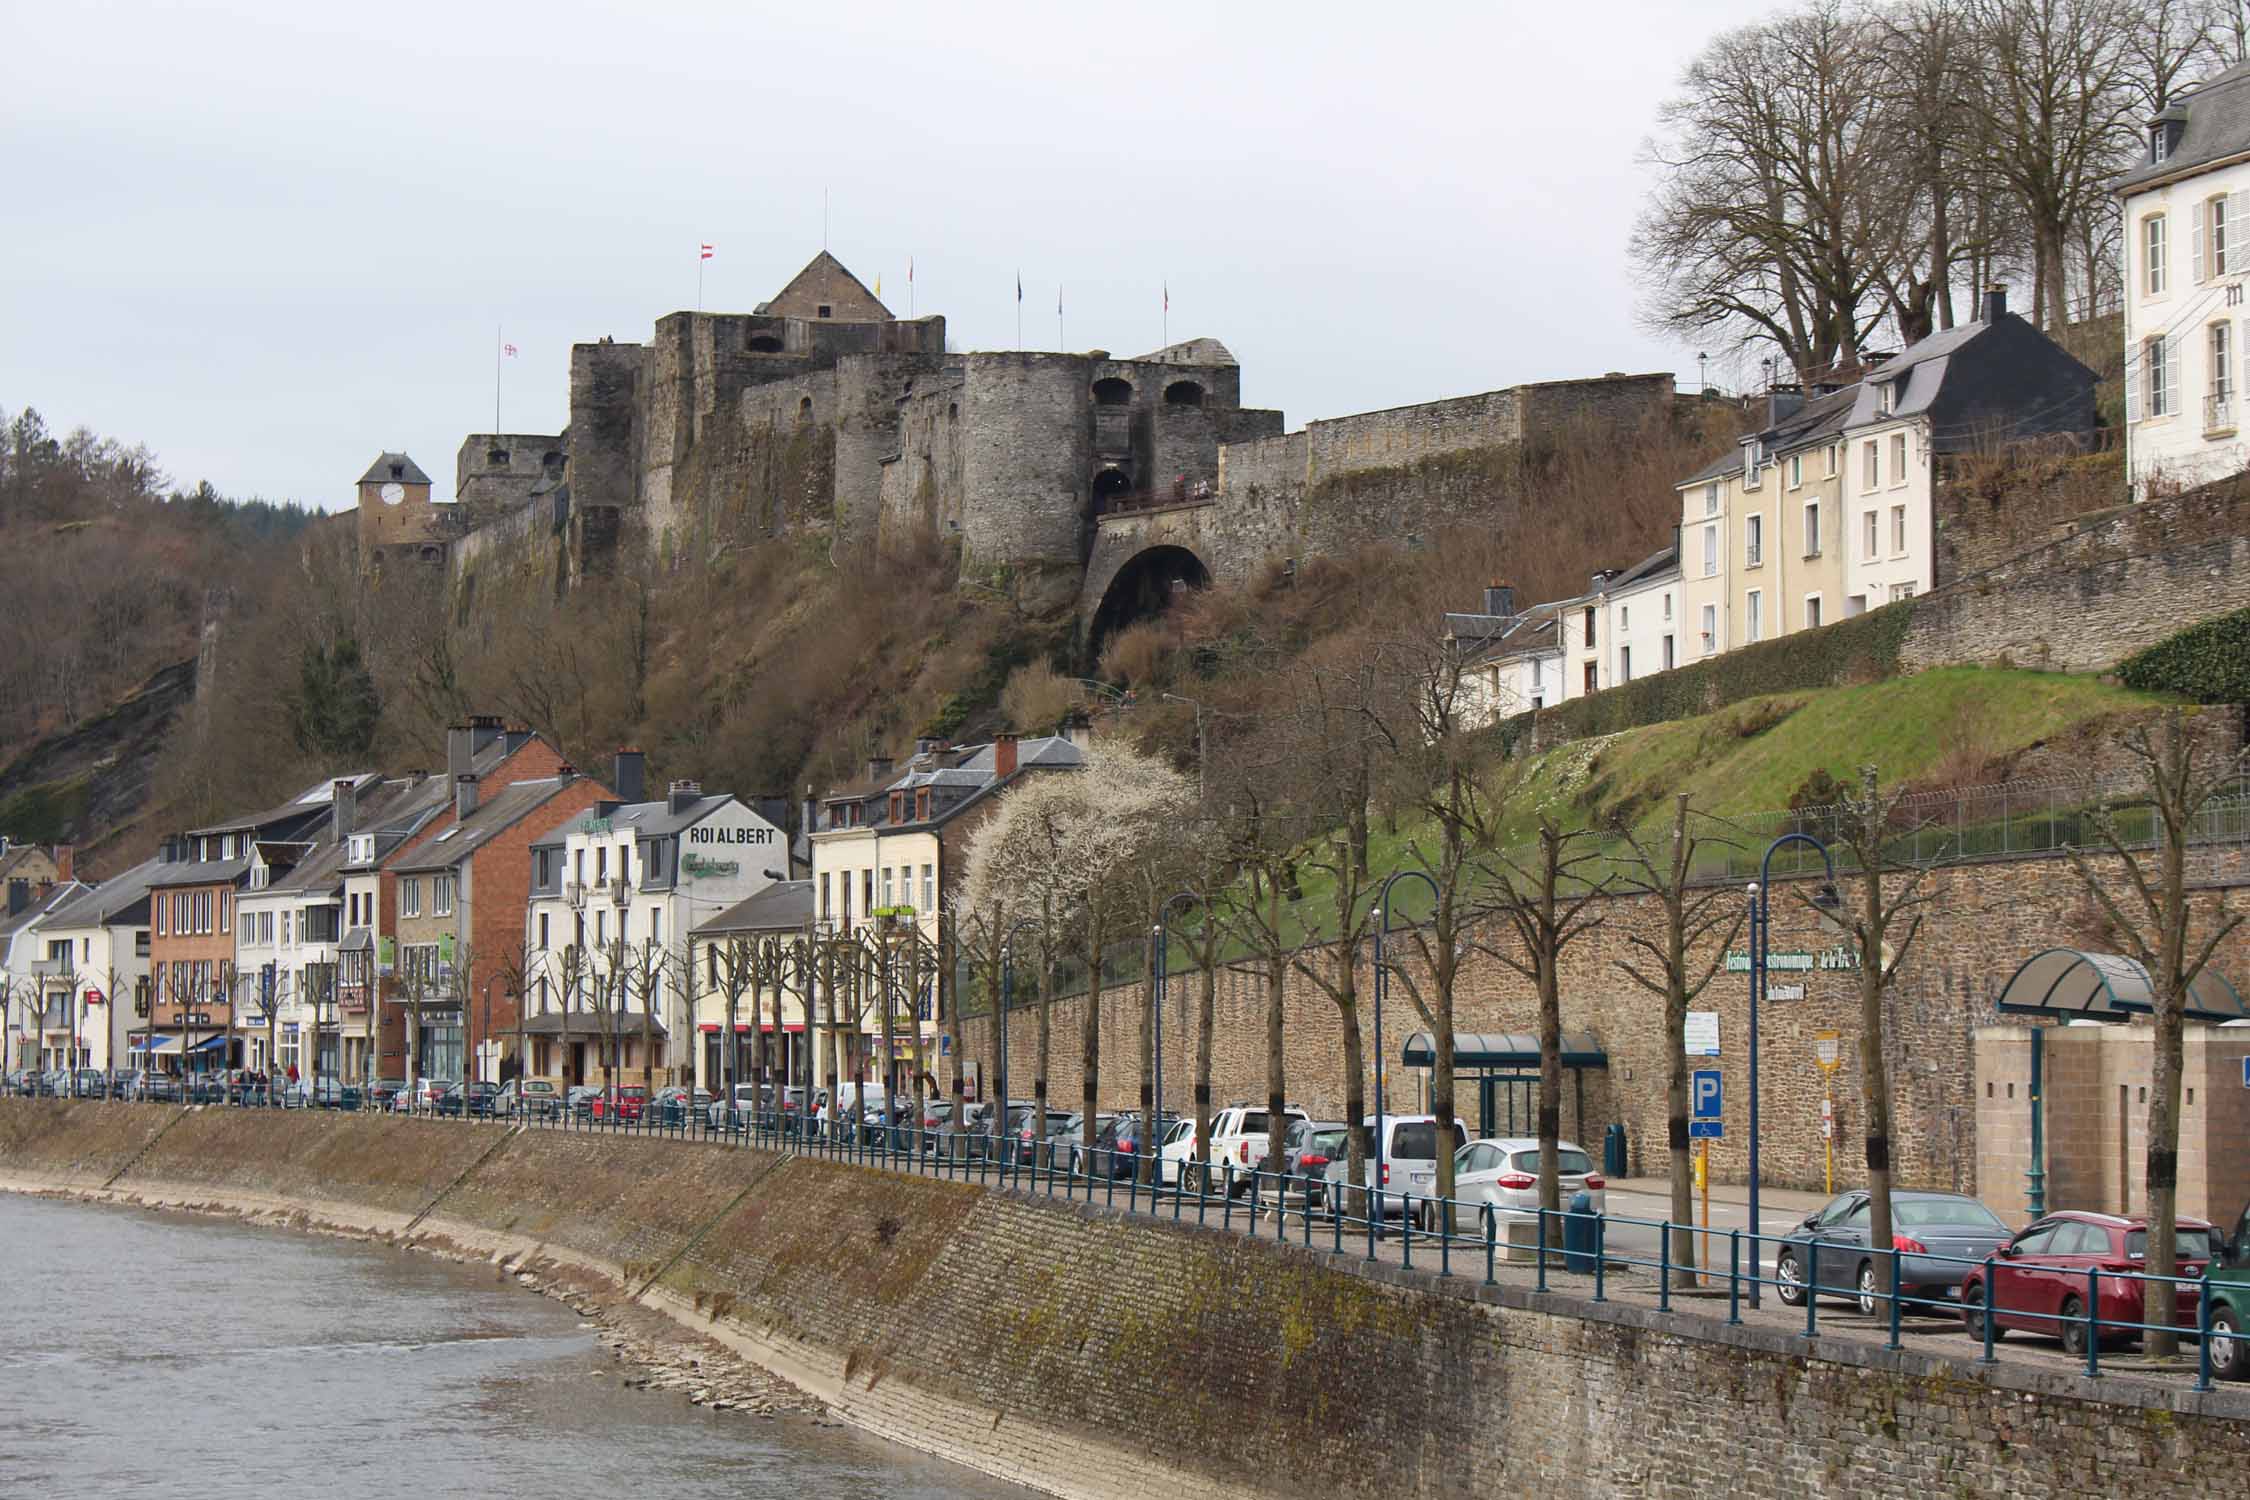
x=272 y=240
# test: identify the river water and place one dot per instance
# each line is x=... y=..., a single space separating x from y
x=143 y=1353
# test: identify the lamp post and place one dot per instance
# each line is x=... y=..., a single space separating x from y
x=1382 y=916
x=1761 y=896
x=1163 y=947
x=484 y=1041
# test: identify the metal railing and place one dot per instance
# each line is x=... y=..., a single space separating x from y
x=1571 y=1249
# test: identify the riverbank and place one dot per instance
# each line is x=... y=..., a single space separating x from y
x=1087 y=1354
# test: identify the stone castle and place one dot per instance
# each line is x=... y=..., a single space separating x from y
x=1078 y=481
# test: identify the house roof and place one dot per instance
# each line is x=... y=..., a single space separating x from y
x=299 y=810
x=1190 y=352
x=784 y=906
x=969 y=773
x=199 y=872
x=61 y=896
x=2218 y=126
x=96 y=906
x=648 y=820
x=497 y=813
x=381 y=471
x=825 y=279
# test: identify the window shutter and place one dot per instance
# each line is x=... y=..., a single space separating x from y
x=2133 y=362
x=2172 y=373
x=2195 y=243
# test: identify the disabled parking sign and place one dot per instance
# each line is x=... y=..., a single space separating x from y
x=1705 y=1103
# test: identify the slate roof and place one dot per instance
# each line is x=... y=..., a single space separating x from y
x=200 y=872
x=2218 y=126
x=95 y=906
x=648 y=820
x=313 y=802
x=496 y=813
x=379 y=472
x=784 y=906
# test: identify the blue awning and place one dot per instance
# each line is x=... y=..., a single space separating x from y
x=211 y=1044
x=1502 y=1051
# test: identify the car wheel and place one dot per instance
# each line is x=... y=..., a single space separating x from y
x=2074 y=1328
x=1870 y=1296
x=2230 y=1352
x=1973 y=1315
x=1790 y=1282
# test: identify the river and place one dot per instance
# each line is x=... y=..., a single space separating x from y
x=145 y=1353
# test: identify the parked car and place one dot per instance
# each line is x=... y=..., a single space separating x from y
x=1173 y=1150
x=528 y=1098
x=382 y=1091
x=672 y=1105
x=162 y=1088
x=623 y=1102
x=1306 y=1152
x=1409 y=1144
x=476 y=1099
x=89 y=1083
x=1240 y=1135
x=2040 y=1279
x=1504 y=1172
x=423 y=1097
x=578 y=1103
x=1074 y=1150
x=1938 y=1233
x=2228 y=1274
x=325 y=1092
x=1028 y=1130
x=1118 y=1146
x=749 y=1102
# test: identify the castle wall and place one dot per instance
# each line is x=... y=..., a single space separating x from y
x=1027 y=458
x=494 y=473
x=605 y=423
x=922 y=487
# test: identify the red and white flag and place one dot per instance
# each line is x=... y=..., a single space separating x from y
x=707 y=251
x=509 y=350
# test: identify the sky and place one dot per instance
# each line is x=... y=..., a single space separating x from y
x=271 y=241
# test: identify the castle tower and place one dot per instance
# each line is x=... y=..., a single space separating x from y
x=396 y=515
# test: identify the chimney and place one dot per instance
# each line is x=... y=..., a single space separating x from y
x=19 y=896
x=929 y=744
x=483 y=730
x=1500 y=600
x=464 y=795
x=1782 y=403
x=878 y=767
x=806 y=819
x=631 y=779
x=66 y=863
x=344 y=808
x=460 y=749
x=1003 y=757
x=1996 y=302
x=1079 y=731
x=515 y=739
x=682 y=795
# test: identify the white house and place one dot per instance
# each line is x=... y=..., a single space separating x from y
x=2187 y=248
x=105 y=928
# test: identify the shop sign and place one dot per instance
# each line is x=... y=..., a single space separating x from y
x=594 y=827
x=698 y=866
x=1841 y=957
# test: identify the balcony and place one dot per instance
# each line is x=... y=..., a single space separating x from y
x=2218 y=414
x=574 y=892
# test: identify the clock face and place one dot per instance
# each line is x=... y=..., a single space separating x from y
x=393 y=493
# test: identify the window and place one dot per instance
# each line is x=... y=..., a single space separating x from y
x=1886 y=397
x=1538 y=670
x=1873 y=478
x=1901 y=591
x=845 y=881
x=1624 y=664
x=2215 y=220
x=158 y=906
x=286 y=919
x=410 y=898
x=1898 y=531
x=1667 y=605
x=1812 y=611
x=1753 y=540
x=1710 y=551
x=2156 y=143
x=1710 y=499
x=1624 y=618
x=1754 y=617
x=1898 y=458
x=2152 y=254
x=2219 y=408
x=578 y=865
x=656 y=924
x=1710 y=628
x=1812 y=529
x=1752 y=466
x=441 y=895
x=1854 y=604
x=826 y=911
x=601 y=928
x=887 y=900
x=867 y=890
x=1832 y=451
x=1587 y=639
x=1796 y=471
x=543 y=943
x=826 y=310
x=929 y=888
x=601 y=864
x=1867 y=538
x=2160 y=377
x=1592 y=685
x=1667 y=653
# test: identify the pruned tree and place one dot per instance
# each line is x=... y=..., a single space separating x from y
x=1547 y=896
x=2146 y=900
x=1677 y=965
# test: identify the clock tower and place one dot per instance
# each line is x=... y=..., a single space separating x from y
x=397 y=520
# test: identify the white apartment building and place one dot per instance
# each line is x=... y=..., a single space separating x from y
x=2187 y=249
x=105 y=930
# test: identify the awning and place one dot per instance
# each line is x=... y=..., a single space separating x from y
x=2065 y=984
x=356 y=941
x=211 y=1044
x=746 y=1026
x=587 y=1024
x=1494 y=1050
x=162 y=1046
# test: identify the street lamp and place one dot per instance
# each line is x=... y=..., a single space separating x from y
x=1163 y=946
x=485 y=1041
x=1382 y=915
x=1828 y=902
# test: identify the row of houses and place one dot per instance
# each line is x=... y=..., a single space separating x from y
x=1826 y=509
x=512 y=916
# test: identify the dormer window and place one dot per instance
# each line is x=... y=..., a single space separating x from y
x=922 y=804
x=2156 y=144
x=898 y=807
x=1886 y=397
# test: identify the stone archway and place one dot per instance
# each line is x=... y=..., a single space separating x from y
x=1143 y=586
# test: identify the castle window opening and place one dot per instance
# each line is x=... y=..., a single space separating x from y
x=1113 y=392
x=804 y=409
x=1109 y=486
x=764 y=343
x=953 y=411
x=826 y=310
x=1183 y=393
x=498 y=458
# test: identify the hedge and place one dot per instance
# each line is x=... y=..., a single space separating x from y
x=2208 y=663
x=1863 y=648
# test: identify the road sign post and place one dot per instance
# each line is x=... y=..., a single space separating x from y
x=1705 y=1099
x=1828 y=1053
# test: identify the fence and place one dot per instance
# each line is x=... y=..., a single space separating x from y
x=1577 y=1248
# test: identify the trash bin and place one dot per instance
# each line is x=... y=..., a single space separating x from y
x=1613 y=1151
x=1578 y=1235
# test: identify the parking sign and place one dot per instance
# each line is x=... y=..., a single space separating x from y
x=1705 y=1102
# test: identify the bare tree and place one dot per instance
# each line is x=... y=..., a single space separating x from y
x=2147 y=903
x=1669 y=968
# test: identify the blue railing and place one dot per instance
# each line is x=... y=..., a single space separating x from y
x=1319 y=1213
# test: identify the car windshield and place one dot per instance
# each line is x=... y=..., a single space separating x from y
x=1416 y=1140
x=1946 y=1213
x=1327 y=1142
x=1568 y=1162
x=2194 y=1244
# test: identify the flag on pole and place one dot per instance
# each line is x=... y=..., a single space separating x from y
x=878 y=283
x=1058 y=299
x=1019 y=286
x=509 y=350
x=910 y=270
x=1167 y=296
x=707 y=251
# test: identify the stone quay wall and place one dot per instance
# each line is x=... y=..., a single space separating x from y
x=1095 y=1355
x=1981 y=922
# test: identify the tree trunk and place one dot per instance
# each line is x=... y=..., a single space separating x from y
x=1145 y=1166
x=1206 y=1011
x=1277 y=993
x=1090 y=1033
x=949 y=999
x=1046 y=1034
x=1681 y=1164
x=1874 y=1071
x=2165 y=1068
x=1550 y=1077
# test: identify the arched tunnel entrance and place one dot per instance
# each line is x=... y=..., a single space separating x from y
x=1145 y=586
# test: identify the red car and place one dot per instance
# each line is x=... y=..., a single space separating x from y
x=2040 y=1278
x=628 y=1101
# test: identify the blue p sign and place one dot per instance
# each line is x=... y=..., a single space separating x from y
x=1704 y=1095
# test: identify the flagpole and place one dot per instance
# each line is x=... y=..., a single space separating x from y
x=496 y=347
x=1019 y=308
x=1167 y=313
x=1059 y=344
x=700 y=258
